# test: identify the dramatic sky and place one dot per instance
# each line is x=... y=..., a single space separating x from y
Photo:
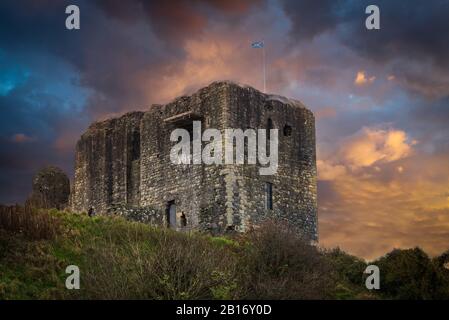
x=381 y=98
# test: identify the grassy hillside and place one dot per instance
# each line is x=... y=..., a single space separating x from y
x=119 y=259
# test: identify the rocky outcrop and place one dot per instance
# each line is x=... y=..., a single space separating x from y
x=51 y=189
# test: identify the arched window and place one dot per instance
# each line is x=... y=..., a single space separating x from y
x=287 y=130
x=268 y=196
x=171 y=214
x=269 y=127
x=135 y=146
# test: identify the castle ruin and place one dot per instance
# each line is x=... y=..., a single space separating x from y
x=123 y=165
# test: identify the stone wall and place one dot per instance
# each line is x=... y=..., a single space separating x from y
x=105 y=171
x=125 y=163
x=193 y=188
x=294 y=184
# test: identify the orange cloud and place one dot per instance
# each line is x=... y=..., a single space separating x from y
x=372 y=145
x=379 y=193
x=21 y=138
x=327 y=112
x=361 y=79
x=371 y=217
x=209 y=58
x=328 y=171
x=66 y=140
x=391 y=77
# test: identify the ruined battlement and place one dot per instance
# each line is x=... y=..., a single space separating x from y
x=125 y=163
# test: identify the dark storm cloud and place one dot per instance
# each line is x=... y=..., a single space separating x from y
x=359 y=203
x=118 y=43
x=103 y=52
x=436 y=113
x=412 y=28
x=409 y=29
x=118 y=56
x=129 y=54
x=412 y=41
x=310 y=18
x=430 y=120
x=41 y=98
x=177 y=18
x=37 y=125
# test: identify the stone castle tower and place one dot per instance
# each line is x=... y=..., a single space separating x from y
x=123 y=165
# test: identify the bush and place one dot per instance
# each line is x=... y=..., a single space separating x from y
x=170 y=266
x=349 y=274
x=276 y=263
x=119 y=259
x=411 y=274
x=34 y=224
x=271 y=262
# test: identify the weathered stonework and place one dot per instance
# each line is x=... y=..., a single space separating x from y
x=125 y=163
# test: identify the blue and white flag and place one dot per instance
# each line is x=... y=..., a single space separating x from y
x=257 y=44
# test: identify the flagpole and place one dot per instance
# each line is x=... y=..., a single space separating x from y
x=263 y=61
x=261 y=45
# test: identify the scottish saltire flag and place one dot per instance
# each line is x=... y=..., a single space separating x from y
x=257 y=44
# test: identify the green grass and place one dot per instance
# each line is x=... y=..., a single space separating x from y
x=119 y=259
x=35 y=269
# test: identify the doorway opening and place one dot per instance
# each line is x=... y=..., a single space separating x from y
x=171 y=214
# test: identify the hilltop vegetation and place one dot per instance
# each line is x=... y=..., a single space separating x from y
x=119 y=259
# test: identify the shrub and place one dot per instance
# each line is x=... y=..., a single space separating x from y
x=349 y=274
x=119 y=259
x=410 y=274
x=34 y=224
x=276 y=263
x=170 y=266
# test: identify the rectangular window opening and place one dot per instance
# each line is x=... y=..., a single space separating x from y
x=269 y=195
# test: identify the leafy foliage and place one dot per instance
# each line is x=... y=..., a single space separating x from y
x=120 y=259
x=411 y=274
